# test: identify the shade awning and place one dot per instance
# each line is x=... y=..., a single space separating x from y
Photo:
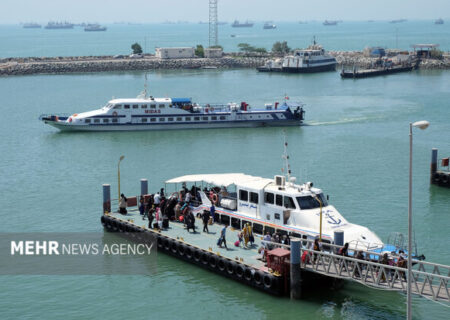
x=221 y=179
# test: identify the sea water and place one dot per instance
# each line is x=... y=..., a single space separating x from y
x=354 y=145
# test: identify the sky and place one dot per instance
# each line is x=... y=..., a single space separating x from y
x=151 y=11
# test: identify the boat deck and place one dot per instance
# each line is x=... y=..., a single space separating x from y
x=205 y=241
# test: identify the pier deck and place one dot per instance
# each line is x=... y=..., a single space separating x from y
x=204 y=240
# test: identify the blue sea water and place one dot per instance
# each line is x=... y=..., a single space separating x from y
x=19 y=42
x=354 y=146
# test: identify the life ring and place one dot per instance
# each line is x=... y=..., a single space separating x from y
x=215 y=198
x=166 y=244
x=181 y=250
x=114 y=114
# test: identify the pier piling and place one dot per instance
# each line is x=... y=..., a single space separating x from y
x=434 y=160
x=144 y=187
x=106 y=198
x=296 y=277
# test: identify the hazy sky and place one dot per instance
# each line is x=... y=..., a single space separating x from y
x=150 y=11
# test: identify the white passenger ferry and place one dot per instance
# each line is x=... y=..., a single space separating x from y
x=276 y=205
x=148 y=113
x=312 y=59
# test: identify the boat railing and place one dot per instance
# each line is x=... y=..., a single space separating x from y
x=61 y=116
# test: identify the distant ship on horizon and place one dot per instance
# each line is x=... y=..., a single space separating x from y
x=269 y=25
x=398 y=21
x=32 y=25
x=439 y=21
x=94 y=27
x=330 y=23
x=246 y=24
x=59 y=25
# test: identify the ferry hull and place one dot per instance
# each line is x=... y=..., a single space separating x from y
x=329 y=67
x=64 y=126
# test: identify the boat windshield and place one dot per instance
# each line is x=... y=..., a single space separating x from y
x=308 y=202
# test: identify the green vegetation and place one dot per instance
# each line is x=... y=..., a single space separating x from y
x=199 y=51
x=245 y=47
x=136 y=47
x=435 y=54
x=280 y=47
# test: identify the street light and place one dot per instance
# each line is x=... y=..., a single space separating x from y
x=118 y=174
x=421 y=125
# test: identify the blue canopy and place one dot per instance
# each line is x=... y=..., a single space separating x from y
x=181 y=100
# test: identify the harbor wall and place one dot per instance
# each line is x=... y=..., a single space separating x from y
x=59 y=65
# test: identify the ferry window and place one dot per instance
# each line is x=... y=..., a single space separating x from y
x=152 y=119
x=188 y=119
x=253 y=197
x=196 y=118
x=161 y=106
x=127 y=106
x=279 y=200
x=153 y=106
x=179 y=119
x=243 y=195
x=307 y=202
x=289 y=203
x=96 y=120
x=213 y=118
x=115 y=120
x=162 y=119
x=205 y=118
x=105 y=120
x=135 y=106
x=144 y=106
x=119 y=106
x=144 y=119
x=277 y=216
x=87 y=120
x=269 y=198
x=169 y=119
x=222 y=118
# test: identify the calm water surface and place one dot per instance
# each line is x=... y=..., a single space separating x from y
x=354 y=146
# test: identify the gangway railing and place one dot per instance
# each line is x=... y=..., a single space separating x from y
x=429 y=280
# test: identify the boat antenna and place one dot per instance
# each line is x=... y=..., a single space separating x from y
x=145 y=86
x=286 y=159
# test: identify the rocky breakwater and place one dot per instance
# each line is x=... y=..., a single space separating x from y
x=27 y=66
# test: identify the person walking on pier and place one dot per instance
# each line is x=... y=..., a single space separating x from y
x=245 y=235
x=205 y=218
x=222 y=239
x=123 y=204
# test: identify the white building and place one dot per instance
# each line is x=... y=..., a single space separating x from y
x=213 y=53
x=175 y=53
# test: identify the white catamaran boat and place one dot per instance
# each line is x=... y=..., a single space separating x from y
x=148 y=113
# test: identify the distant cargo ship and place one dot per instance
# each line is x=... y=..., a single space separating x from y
x=330 y=23
x=398 y=21
x=32 y=25
x=59 y=25
x=439 y=21
x=246 y=24
x=94 y=27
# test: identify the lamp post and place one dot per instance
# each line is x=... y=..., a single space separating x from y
x=118 y=174
x=421 y=125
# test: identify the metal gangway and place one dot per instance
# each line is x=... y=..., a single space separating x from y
x=429 y=280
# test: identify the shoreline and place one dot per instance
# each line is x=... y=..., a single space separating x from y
x=86 y=64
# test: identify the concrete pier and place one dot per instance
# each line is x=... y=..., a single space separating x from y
x=439 y=173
